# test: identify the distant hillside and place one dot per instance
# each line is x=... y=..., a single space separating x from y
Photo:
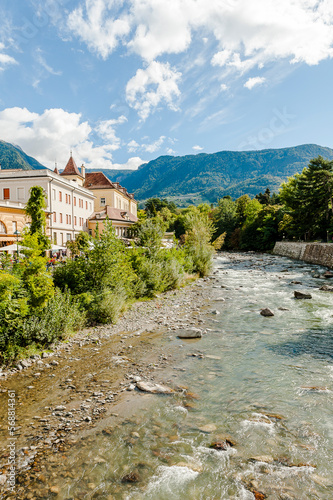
x=113 y=175
x=207 y=177
x=13 y=157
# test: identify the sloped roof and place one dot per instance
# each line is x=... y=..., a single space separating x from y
x=114 y=214
x=71 y=168
x=97 y=180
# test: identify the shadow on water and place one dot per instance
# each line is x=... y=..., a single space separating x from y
x=316 y=342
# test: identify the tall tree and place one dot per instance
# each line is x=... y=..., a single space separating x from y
x=308 y=196
x=35 y=209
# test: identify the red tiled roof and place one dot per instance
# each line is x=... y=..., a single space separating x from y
x=114 y=214
x=71 y=168
x=97 y=180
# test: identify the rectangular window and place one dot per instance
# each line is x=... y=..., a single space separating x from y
x=69 y=219
x=74 y=201
x=14 y=227
x=86 y=205
x=20 y=194
x=62 y=238
x=102 y=202
x=55 y=238
x=54 y=217
x=66 y=198
x=69 y=199
x=6 y=194
x=60 y=216
x=68 y=236
x=66 y=218
x=60 y=196
x=90 y=206
x=75 y=220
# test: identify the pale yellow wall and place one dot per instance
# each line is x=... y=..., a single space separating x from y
x=114 y=199
x=76 y=178
x=8 y=216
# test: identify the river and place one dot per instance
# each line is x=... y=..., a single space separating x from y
x=258 y=388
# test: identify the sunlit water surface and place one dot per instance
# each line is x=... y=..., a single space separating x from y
x=265 y=383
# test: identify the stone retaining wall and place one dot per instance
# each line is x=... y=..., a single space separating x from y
x=314 y=253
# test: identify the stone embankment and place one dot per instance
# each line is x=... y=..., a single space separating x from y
x=314 y=253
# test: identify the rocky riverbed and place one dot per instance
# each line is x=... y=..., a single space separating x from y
x=63 y=393
x=220 y=390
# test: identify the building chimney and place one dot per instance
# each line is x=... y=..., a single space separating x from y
x=83 y=171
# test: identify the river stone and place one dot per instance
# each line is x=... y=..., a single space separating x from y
x=263 y=458
x=302 y=295
x=193 y=333
x=266 y=312
x=153 y=388
x=132 y=477
x=328 y=274
x=55 y=490
x=325 y=288
x=207 y=428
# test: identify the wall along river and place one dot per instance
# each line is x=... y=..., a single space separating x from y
x=260 y=390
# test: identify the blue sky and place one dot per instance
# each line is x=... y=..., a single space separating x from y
x=122 y=82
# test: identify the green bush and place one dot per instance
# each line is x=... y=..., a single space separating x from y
x=107 y=306
x=61 y=317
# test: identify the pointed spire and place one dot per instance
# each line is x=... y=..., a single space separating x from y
x=71 y=168
x=56 y=171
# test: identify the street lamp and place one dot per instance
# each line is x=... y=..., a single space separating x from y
x=17 y=234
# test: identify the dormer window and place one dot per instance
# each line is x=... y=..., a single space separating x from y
x=102 y=202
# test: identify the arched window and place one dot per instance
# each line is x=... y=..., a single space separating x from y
x=3 y=229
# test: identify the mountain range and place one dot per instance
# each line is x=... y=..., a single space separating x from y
x=194 y=179
x=14 y=157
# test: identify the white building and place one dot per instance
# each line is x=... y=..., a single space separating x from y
x=69 y=204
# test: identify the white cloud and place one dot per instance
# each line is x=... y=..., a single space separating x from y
x=96 y=25
x=5 y=59
x=41 y=60
x=254 y=82
x=197 y=148
x=148 y=148
x=150 y=87
x=106 y=130
x=155 y=146
x=247 y=32
x=51 y=135
x=224 y=87
x=133 y=146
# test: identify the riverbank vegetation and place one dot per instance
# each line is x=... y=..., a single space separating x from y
x=303 y=210
x=39 y=306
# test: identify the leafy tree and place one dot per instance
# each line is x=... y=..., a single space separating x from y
x=264 y=199
x=35 y=209
x=80 y=244
x=225 y=219
x=309 y=199
x=155 y=205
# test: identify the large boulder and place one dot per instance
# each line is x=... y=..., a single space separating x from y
x=302 y=295
x=154 y=388
x=192 y=333
x=326 y=288
x=266 y=312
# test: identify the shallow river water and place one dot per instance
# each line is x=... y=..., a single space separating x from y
x=263 y=383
